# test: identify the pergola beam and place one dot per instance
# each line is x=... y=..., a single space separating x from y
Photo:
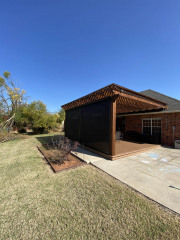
x=130 y=100
x=113 y=125
x=138 y=99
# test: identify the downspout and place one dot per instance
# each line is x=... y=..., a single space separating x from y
x=174 y=128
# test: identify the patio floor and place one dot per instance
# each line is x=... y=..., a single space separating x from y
x=126 y=148
x=154 y=173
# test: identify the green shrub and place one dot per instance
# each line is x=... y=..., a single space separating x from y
x=21 y=117
x=39 y=130
x=22 y=130
x=61 y=117
x=36 y=116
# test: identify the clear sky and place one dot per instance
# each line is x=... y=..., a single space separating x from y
x=60 y=50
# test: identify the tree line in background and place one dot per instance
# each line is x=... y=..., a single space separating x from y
x=16 y=113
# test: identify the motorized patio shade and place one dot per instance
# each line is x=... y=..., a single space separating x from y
x=90 y=125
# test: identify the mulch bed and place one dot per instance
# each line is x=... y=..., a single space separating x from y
x=72 y=161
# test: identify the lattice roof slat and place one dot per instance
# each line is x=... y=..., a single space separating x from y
x=128 y=100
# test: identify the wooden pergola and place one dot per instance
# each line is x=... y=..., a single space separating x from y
x=123 y=101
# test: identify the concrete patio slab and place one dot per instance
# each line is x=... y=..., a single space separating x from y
x=87 y=156
x=150 y=173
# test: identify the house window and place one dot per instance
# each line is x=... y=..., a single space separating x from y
x=152 y=126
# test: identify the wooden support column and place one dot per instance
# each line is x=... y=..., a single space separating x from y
x=113 y=125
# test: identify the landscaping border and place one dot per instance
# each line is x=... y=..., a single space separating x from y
x=65 y=169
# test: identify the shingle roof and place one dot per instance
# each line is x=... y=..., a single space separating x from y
x=172 y=103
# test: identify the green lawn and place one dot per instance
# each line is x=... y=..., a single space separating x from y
x=83 y=203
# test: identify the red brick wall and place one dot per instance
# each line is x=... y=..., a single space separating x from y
x=168 y=120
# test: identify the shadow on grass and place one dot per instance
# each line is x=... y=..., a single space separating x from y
x=47 y=139
x=34 y=133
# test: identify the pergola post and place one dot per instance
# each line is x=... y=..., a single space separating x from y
x=113 y=125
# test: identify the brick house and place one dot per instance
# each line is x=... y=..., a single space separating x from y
x=164 y=123
x=102 y=118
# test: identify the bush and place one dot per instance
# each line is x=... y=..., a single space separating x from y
x=57 y=128
x=22 y=130
x=36 y=116
x=39 y=130
x=63 y=147
x=21 y=117
x=61 y=116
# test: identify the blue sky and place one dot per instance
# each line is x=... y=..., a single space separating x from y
x=60 y=50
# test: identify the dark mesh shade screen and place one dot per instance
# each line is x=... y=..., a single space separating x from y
x=72 y=124
x=90 y=125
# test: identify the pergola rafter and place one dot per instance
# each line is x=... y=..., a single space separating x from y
x=128 y=100
x=122 y=100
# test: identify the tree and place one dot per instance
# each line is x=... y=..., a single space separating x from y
x=36 y=116
x=62 y=115
x=11 y=97
x=1 y=114
x=21 y=117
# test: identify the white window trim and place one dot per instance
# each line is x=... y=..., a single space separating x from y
x=151 y=123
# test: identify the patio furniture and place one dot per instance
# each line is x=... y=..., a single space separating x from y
x=119 y=135
x=137 y=137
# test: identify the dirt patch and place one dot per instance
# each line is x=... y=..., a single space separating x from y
x=56 y=164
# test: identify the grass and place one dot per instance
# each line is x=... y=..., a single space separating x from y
x=83 y=203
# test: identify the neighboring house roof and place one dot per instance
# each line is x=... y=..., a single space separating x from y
x=172 y=103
